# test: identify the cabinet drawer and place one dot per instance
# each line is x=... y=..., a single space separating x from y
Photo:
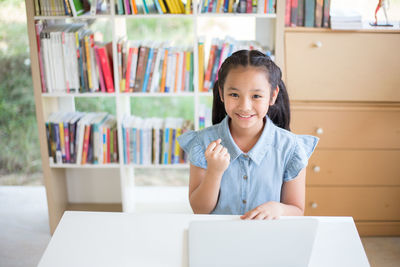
x=349 y=128
x=354 y=167
x=343 y=66
x=362 y=203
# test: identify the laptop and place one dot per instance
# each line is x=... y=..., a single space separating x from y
x=252 y=243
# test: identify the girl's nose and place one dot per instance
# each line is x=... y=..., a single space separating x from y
x=245 y=103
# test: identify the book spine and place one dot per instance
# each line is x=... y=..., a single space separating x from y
x=134 y=7
x=162 y=4
x=101 y=76
x=148 y=68
x=172 y=146
x=104 y=144
x=106 y=69
x=128 y=70
x=300 y=13
x=140 y=69
x=108 y=146
x=88 y=63
x=325 y=19
x=191 y=75
x=133 y=69
x=176 y=80
x=39 y=28
x=164 y=71
x=85 y=143
x=57 y=143
x=115 y=145
x=293 y=14
x=318 y=13
x=89 y=158
x=48 y=135
x=207 y=79
x=166 y=146
x=215 y=68
x=288 y=12
x=66 y=141
x=177 y=147
x=62 y=141
x=309 y=10
x=151 y=74
x=72 y=138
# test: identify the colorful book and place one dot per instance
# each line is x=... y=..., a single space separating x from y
x=309 y=12
x=326 y=12
x=318 y=13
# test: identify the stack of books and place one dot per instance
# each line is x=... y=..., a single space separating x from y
x=153 y=140
x=219 y=51
x=81 y=138
x=71 y=7
x=346 y=19
x=237 y=6
x=129 y=7
x=154 y=67
x=71 y=61
x=307 y=13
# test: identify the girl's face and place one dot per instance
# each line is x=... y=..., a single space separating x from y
x=247 y=97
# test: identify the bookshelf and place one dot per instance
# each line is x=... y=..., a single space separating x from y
x=110 y=187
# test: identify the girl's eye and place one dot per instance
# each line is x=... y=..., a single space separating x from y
x=257 y=96
x=233 y=95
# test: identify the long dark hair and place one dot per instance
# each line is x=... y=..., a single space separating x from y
x=279 y=113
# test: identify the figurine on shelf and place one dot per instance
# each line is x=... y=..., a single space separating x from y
x=385 y=5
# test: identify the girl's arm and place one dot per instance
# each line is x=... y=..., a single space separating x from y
x=292 y=201
x=204 y=184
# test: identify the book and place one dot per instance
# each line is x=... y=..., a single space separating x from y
x=309 y=11
x=152 y=68
x=106 y=68
x=141 y=67
x=149 y=62
x=300 y=13
x=318 y=13
x=293 y=13
x=76 y=7
x=288 y=13
x=326 y=13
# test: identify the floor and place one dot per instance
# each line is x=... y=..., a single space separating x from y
x=24 y=231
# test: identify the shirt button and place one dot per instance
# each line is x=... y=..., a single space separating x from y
x=246 y=156
x=244 y=201
x=245 y=177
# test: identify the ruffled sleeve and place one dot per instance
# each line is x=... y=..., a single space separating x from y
x=190 y=143
x=303 y=148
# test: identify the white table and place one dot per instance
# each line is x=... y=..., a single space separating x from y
x=129 y=239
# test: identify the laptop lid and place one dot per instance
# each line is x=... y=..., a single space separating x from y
x=251 y=243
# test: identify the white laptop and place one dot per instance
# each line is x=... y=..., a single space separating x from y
x=252 y=243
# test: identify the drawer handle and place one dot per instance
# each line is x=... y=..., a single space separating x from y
x=318 y=44
x=319 y=131
x=317 y=169
x=314 y=205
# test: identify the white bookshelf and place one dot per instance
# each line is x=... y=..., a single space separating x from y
x=62 y=181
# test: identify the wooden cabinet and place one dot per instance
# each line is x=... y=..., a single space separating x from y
x=343 y=66
x=345 y=89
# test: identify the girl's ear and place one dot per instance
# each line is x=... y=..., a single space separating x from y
x=274 y=96
x=221 y=94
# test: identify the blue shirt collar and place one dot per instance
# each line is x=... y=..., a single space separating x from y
x=259 y=150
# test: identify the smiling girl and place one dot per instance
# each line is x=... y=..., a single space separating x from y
x=248 y=162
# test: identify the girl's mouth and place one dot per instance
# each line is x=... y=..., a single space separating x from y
x=242 y=116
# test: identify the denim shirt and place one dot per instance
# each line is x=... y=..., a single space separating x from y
x=256 y=177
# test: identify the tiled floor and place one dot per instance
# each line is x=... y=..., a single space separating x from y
x=24 y=231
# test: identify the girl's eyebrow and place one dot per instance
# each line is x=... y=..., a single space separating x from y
x=253 y=90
